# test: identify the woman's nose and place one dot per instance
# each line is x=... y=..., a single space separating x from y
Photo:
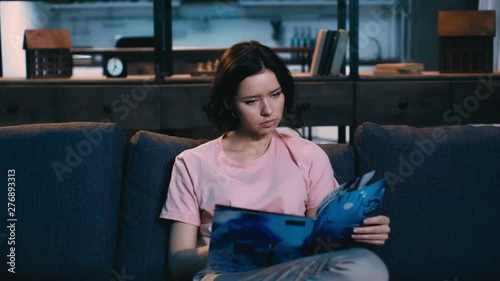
x=266 y=108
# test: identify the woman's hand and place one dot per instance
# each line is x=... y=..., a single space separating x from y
x=374 y=231
x=184 y=258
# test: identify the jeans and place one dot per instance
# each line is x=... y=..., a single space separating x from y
x=344 y=265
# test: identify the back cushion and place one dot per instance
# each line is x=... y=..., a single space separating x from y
x=67 y=192
x=443 y=198
x=342 y=160
x=143 y=236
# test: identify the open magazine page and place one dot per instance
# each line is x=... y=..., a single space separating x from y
x=343 y=210
x=243 y=240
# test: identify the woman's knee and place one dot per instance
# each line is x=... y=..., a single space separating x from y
x=353 y=264
x=368 y=265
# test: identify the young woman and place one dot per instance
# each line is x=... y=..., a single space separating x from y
x=255 y=167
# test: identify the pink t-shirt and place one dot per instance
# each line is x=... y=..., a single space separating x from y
x=293 y=175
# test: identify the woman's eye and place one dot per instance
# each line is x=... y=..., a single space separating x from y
x=275 y=95
x=250 y=101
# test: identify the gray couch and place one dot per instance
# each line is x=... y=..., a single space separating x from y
x=87 y=201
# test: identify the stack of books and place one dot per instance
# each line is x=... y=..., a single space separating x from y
x=329 y=52
x=403 y=68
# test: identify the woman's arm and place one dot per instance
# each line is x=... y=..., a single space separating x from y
x=311 y=213
x=184 y=258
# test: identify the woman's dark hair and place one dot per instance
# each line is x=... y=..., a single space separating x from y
x=240 y=61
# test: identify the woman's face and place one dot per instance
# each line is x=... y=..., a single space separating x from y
x=259 y=103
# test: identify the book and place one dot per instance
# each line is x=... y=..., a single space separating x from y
x=318 y=51
x=401 y=66
x=329 y=53
x=327 y=50
x=339 y=52
x=390 y=72
x=244 y=239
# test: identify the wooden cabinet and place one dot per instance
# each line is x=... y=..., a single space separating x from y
x=325 y=104
x=182 y=106
x=475 y=102
x=131 y=106
x=28 y=104
x=406 y=103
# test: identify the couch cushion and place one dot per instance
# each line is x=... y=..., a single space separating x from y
x=67 y=195
x=143 y=237
x=342 y=160
x=444 y=187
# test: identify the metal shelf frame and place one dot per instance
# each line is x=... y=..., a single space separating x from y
x=163 y=36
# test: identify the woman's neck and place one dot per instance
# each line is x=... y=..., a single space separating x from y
x=243 y=148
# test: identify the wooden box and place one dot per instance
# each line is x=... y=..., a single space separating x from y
x=48 y=53
x=466 y=41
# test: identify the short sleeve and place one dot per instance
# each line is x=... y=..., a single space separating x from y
x=321 y=178
x=181 y=203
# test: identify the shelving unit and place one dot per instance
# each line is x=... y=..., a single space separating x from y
x=163 y=34
x=330 y=101
x=101 y=5
x=109 y=5
x=331 y=3
x=258 y=3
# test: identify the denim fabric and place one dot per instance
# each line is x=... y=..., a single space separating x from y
x=443 y=198
x=143 y=237
x=355 y=264
x=67 y=221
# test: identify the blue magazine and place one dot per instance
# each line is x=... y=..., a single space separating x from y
x=244 y=239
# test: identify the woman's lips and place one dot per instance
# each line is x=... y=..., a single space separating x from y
x=269 y=123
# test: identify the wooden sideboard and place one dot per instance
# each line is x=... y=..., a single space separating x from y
x=139 y=103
